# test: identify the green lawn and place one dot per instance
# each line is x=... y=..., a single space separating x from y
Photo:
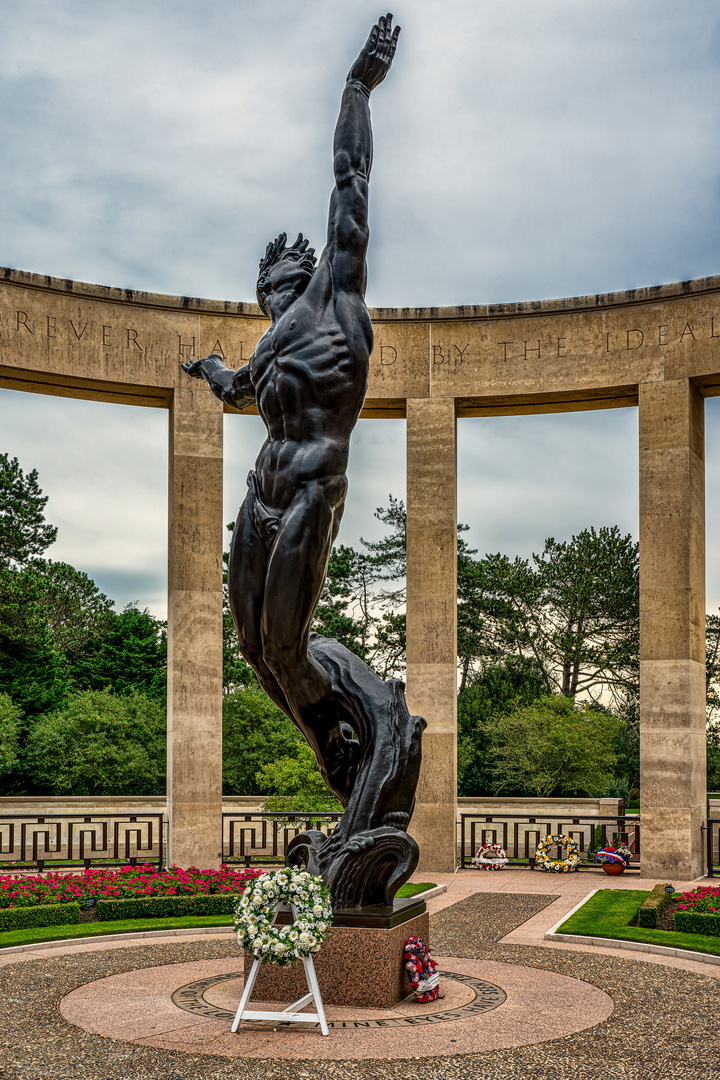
x=412 y=888
x=609 y=912
x=128 y=926
x=97 y=929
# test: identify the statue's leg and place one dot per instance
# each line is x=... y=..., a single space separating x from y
x=294 y=581
x=247 y=568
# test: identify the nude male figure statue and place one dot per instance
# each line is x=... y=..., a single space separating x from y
x=308 y=376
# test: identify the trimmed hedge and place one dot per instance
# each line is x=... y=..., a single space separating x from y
x=163 y=907
x=697 y=922
x=22 y=918
x=653 y=907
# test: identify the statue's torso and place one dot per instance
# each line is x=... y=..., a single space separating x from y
x=310 y=372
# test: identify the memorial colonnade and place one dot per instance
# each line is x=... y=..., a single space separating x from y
x=657 y=349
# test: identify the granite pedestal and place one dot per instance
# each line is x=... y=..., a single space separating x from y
x=356 y=966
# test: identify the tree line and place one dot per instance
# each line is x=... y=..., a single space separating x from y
x=547 y=668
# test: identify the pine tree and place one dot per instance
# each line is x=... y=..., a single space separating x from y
x=24 y=534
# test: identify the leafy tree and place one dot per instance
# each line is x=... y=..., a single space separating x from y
x=24 y=533
x=497 y=690
x=554 y=747
x=255 y=732
x=576 y=611
x=296 y=784
x=32 y=671
x=293 y=775
x=130 y=654
x=75 y=609
x=713 y=758
x=99 y=743
x=591 y=600
x=49 y=613
x=388 y=555
x=10 y=726
x=482 y=610
x=626 y=784
x=388 y=654
x=712 y=666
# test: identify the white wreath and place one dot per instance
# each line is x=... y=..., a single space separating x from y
x=255 y=916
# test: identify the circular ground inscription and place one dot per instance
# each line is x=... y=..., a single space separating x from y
x=487 y=996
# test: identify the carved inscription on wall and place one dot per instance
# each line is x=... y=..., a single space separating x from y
x=524 y=352
x=627 y=339
x=53 y=329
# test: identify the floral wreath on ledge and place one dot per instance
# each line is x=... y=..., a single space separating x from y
x=557 y=866
x=255 y=916
x=490 y=857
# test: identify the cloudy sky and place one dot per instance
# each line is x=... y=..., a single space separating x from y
x=523 y=149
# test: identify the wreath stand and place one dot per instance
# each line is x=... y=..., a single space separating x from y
x=292 y=1012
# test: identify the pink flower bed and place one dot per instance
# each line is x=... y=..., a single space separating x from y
x=705 y=899
x=130 y=881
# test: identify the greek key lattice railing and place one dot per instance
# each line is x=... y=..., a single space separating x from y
x=55 y=841
x=258 y=838
x=520 y=835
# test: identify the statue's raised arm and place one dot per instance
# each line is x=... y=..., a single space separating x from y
x=347 y=238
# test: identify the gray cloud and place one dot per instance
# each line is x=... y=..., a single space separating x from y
x=523 y=150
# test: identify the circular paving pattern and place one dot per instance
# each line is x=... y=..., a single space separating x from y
x=189 y=1007
x=485 y=997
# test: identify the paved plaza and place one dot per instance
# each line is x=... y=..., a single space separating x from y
x=515 y=1005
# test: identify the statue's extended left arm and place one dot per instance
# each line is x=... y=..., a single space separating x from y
x=348 y=233
x=233 y=387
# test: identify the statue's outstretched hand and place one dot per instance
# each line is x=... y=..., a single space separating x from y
x=373 y=63
x=193 y=368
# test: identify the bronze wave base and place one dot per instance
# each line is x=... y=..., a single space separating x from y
x=370 y=855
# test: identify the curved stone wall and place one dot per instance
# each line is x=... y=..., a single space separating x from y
x=655 y=348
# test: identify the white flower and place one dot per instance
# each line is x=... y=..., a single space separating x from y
x=317 y=910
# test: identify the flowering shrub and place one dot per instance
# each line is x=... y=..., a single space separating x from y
x=129 y=882
x=705 y=899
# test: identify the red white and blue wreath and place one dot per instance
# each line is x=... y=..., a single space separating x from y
x=422 y=970
x=490 y=857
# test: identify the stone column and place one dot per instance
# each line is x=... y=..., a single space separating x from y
x=672 y=630
x=432 y=621
x=194 y=763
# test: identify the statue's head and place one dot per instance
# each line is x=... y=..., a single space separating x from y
x=286 y=269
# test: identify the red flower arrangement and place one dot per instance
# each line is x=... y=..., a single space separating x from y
x=126 y=883
x=706 y=899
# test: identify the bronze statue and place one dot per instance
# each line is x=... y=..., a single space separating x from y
x=308 y=376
